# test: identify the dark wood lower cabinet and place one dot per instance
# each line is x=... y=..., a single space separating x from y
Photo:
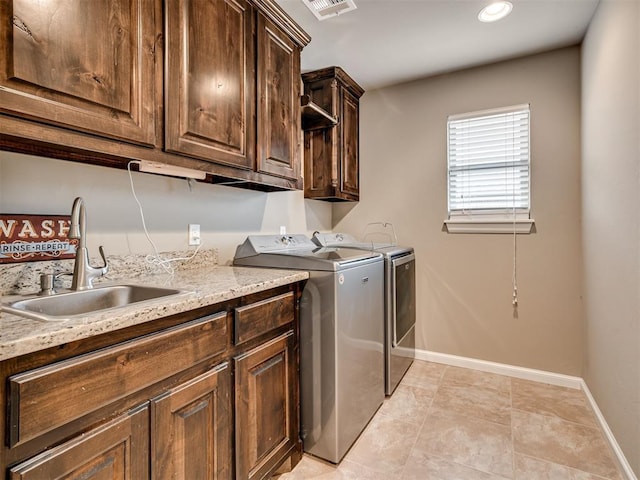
x=116 y=450
x=164 y=400
x=191 y=429
x=265 y=404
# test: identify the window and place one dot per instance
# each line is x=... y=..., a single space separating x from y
x=488 y=171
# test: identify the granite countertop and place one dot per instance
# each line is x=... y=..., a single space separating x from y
x=20 y=335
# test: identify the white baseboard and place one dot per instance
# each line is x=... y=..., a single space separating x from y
x=535 y=376
x=502 y=369
x=624 y=464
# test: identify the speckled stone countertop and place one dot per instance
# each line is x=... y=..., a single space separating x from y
x=205 y=286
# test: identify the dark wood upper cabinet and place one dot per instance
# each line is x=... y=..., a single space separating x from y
x=87 y=66
x=209 y=86
x=227 y=63
x=349 y=143
x=331 y=154
x=278 y=101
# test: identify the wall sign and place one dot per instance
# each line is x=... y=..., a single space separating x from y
x=30 y=238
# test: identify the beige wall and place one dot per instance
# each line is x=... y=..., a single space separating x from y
x=611 y=217
x=226 y=215
x=464 y=280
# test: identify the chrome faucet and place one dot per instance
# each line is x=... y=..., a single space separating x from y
x=83 y=272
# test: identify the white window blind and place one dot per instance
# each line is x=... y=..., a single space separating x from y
x=488 y=163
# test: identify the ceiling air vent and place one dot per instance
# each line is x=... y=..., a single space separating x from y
x=324 y=9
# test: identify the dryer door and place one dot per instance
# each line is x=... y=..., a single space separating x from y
x=403 y=291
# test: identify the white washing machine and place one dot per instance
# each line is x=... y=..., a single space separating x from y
x=341 y=336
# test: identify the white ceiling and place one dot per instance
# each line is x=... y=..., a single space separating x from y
x=384 y=42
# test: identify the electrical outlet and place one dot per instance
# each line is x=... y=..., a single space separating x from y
x=194 y=234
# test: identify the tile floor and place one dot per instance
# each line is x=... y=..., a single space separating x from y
x=450 y=423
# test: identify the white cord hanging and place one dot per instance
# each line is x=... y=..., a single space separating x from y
x=156 y=259
x=514 y=279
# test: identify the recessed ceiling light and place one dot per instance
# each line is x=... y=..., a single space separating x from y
x=495 y=11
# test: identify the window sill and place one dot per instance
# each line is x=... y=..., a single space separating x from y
x=469 y=225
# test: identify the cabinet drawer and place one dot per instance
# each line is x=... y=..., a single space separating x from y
x=51 y=396
x=258 y=318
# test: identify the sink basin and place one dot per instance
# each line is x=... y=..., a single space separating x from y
x=64 y=306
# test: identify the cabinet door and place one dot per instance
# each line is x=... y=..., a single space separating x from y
x=191 y=429
x=278 y=102
x=321 y=162
x=117 y=450
x=266 y=412
x=210 y=81
x=349 y=168
x=83 y=65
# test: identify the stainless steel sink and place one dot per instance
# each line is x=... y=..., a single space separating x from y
x=64 y=306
